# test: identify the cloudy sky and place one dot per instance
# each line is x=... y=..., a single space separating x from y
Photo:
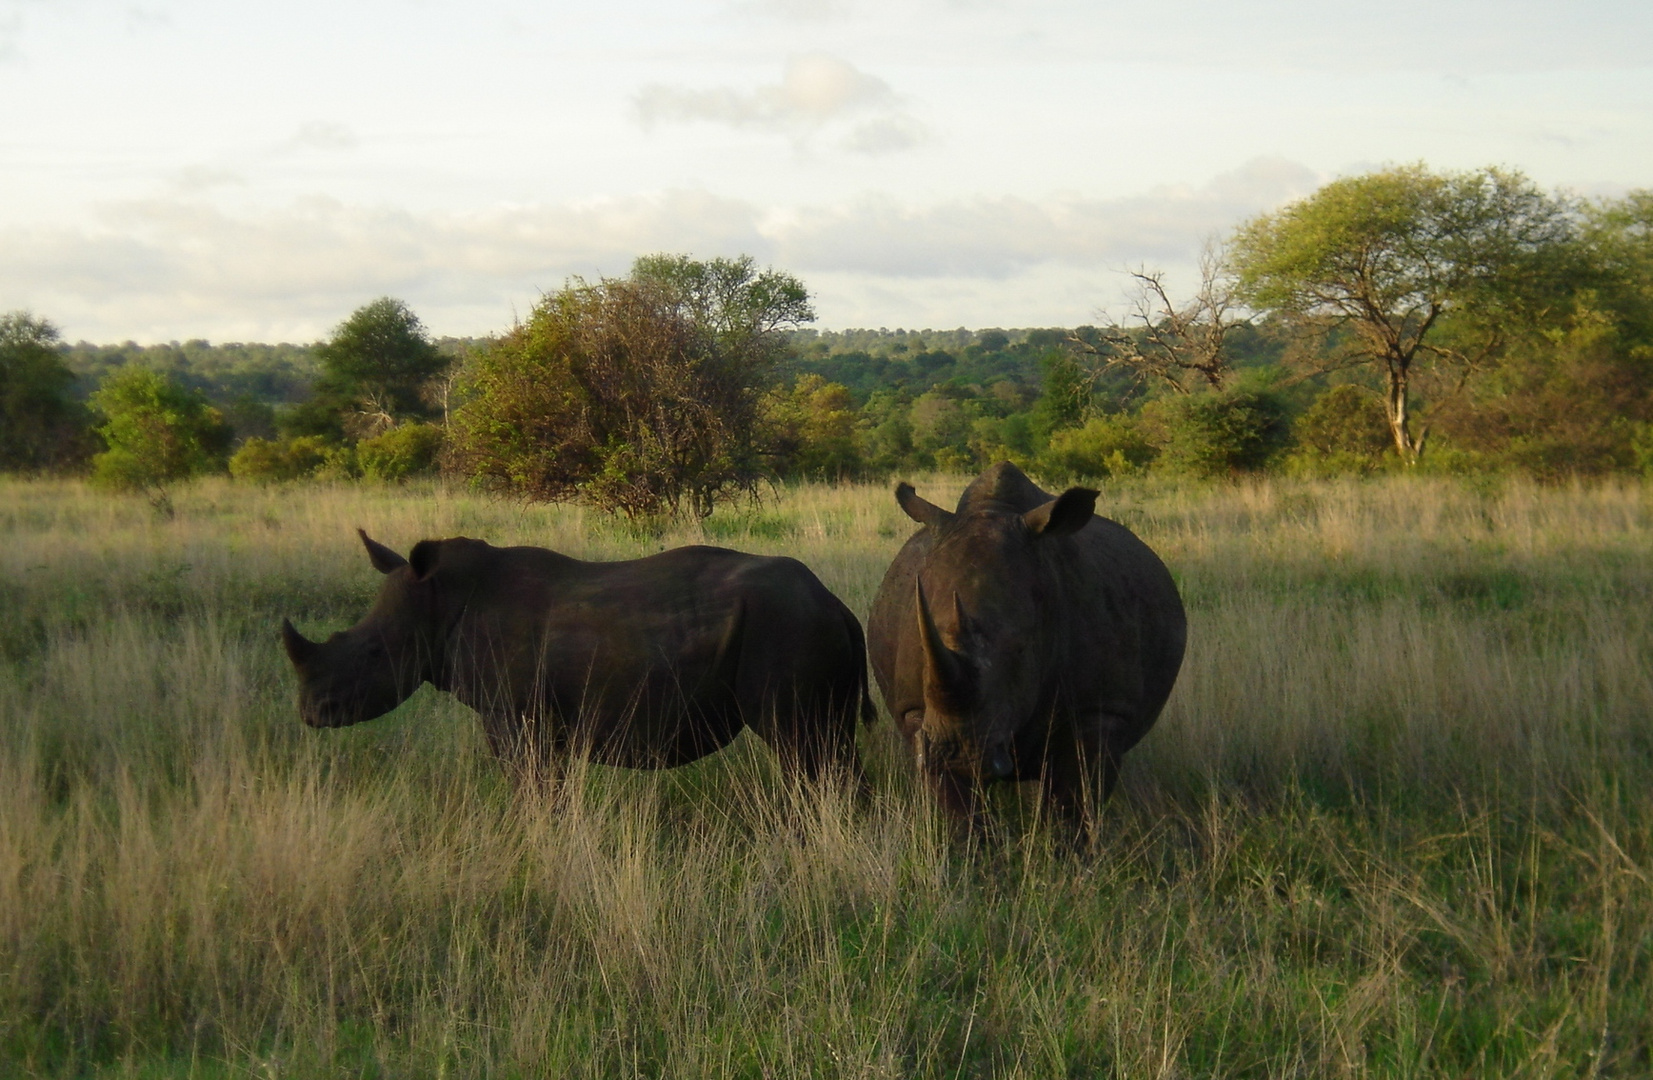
x=171 y=170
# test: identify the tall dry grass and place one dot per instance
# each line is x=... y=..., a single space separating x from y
x=1395 y=820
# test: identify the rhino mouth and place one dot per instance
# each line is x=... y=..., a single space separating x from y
x=996 y=762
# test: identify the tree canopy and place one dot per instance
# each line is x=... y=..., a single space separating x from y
x=639 y=395
x=377 y=366
x=1376 y=266
x=157 y=431
x=41 y=425
x=1338 y=335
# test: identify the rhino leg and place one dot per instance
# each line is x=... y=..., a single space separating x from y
x=814 y=736
x=1080 y=773
x=528 y=749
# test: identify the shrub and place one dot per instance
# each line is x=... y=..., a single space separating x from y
x=266 y=461
x=1571 y=404
x=1345 y=419
x=810 y=430
x=376 y=370
x=941 y=430
x=1107 y=446
x=887 y=435
x=1215 y=434
x=1345 y=430
x=638 y=395
x=403 y=451
x=1008 y=438
x=1065 y=400
x=157 y=431
x=339 y=463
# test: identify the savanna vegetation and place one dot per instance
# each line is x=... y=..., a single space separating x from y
x=1396 y=820
x=1399 y=320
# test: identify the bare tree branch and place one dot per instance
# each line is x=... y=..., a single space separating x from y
x=1179 y=344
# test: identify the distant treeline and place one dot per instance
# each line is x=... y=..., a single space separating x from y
x=1401 y=319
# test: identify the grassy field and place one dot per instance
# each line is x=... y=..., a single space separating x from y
x=1396 y=821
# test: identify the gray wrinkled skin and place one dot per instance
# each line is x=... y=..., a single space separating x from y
x=1023 y=637
x=647 y=663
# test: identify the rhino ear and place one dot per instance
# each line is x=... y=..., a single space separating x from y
x=425 y=557
x=1067 y=513
x=918 y=508
x=384 y=560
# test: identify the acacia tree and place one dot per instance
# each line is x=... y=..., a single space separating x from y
x=1577 y=397
x=1403 y=266
x=639 y=395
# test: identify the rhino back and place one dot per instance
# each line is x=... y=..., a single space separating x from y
x=635 y=650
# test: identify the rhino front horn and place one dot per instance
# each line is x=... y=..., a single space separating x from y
x=299 y=647
x=946 y=674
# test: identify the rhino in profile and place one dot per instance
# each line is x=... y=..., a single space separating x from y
x=647 y=663
x=1023 y=637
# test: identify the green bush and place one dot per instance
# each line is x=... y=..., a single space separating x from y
x=1106 y=446
x=339 y=462
x=265 y=461
x=1574 y=403
x=1007 y=438
x=941 y=429
x=380 y=367
x=1345 y=430
x=886 y=439
x=403 y=451
x=1216 y=434
x=638 y=395
x=810 y=430
x=157 y=431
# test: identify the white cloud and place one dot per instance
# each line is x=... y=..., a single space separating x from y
x=197 y=178
x=885 y=135
x=13 y=24
x=142 y=19
x=798 y=10
x=995 y=237
x=322 y=135
x=11 y=32
x=813 y=89
x=180 y=268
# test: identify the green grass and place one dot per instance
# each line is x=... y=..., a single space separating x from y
x=1397 y=820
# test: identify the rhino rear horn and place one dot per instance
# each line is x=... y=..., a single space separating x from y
x=946 y=672
x=384 y=560
x=299 y=647
x=918 y=508
x=1067 y=513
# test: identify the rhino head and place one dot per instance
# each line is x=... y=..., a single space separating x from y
x=369 y=669
x=990 y=656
